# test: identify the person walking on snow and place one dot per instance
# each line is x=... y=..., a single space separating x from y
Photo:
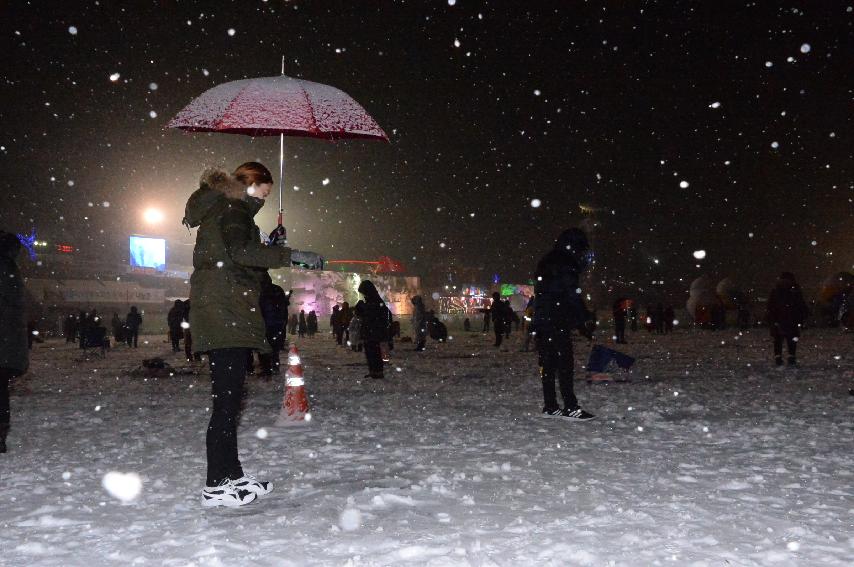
x=786 y=314
x=558 y=310
x=14 y=352
x=229 y=264
x=375 y=326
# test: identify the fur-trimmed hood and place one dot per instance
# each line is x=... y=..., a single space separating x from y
x=216 y=187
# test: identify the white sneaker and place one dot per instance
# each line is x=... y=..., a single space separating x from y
x=226 y=494
x=251 y=484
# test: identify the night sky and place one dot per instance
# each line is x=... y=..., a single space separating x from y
x=488 y=106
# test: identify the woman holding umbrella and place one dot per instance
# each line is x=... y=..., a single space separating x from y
x=229 y=264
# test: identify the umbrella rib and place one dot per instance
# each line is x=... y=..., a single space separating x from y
x=314 y=127
x=230 y=104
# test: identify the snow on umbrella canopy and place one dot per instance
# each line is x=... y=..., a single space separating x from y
x=269 y=106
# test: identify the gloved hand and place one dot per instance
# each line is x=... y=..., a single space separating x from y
x=279 y=237
x=306 y=259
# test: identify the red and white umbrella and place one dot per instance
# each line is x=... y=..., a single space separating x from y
x=283 y=106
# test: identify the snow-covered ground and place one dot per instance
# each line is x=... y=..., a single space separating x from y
x=710 y=457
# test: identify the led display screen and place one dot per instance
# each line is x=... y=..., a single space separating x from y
x=148 y=253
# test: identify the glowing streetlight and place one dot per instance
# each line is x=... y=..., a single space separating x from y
x=153 y=216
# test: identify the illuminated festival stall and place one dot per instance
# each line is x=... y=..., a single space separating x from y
x=321 y=290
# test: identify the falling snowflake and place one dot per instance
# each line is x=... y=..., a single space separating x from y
x=152 y=114
x=231 y=32
x=152 y=86
x=325 y=181
x=806 y=48
x=535 y=203
x=350 y=520
x=72 y=30
x=537 y=92
x=456 y=43
x=775 y=145
x=684 y=184
x=115 y=77
x=769 y=64
x=715 y=105
x=452 y=2
x=122 y=486
x=699 y=254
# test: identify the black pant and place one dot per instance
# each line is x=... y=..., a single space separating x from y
x=375 y=358
x=228 y=371
x=791 y=346
x=176 y=340
x=5 y=376
x=556 y=358
x=339 y=335
x=133 y=337
x=620 y=329
x=499 y=332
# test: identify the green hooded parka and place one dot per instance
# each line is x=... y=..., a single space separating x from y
x=229 y=263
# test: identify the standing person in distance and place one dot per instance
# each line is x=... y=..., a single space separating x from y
x=133 y=322
x=173 y=320
x=498 y=314
x=274 y=309
x=346 y=315
x=375 y=326
x=559 y=310
x=14 y=352
x=619 y=312
x=302 y=325
x=335 y=323
x=787 y=312
x=229 y=264
x=419 y=323
x=311 y=322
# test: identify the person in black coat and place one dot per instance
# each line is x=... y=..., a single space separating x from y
x=335 y=325
x=311 y=322
x=191 y=355
x=619 y=312
x=118 y=327
x=274 y=308
x=375 y=319
x=302 y=325
x=558 y=310
x=419 y=322
x=14 y=352
x=498 y=315
x=173 y=320
x=669 y=316
x=786 y=314
x=133 y=322
x=658 y=319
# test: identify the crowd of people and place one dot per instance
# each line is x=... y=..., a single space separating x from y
x=237 y=310
x=89 y=330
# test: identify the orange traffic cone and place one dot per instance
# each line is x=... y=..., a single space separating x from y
x=295 y=404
